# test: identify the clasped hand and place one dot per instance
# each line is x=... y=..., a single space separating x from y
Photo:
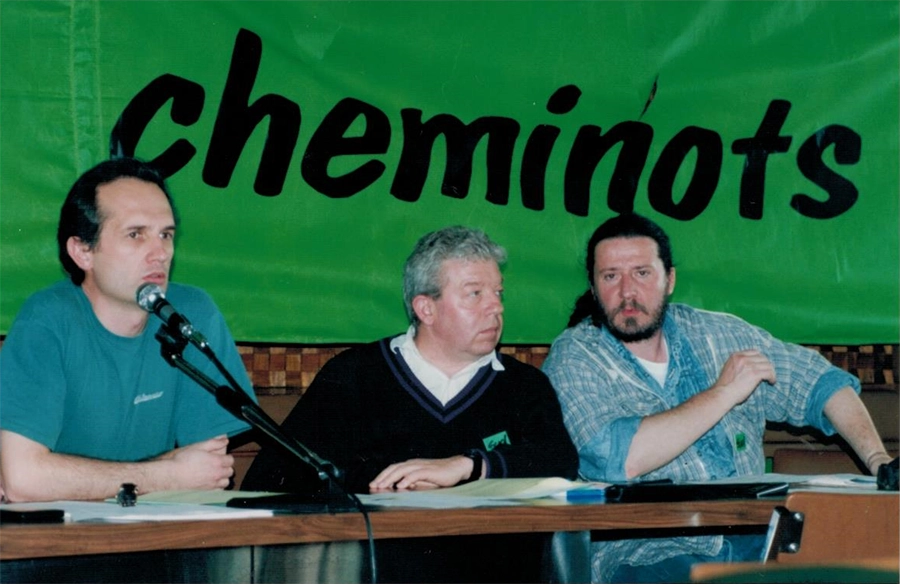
x=421 y=474
x=202 y=465
x=743 y=372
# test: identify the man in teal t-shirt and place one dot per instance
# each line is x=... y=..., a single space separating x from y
x=87 y=402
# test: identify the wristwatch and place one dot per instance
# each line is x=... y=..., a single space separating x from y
x=477 y=464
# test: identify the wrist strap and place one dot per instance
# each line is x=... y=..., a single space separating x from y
x=477 y=464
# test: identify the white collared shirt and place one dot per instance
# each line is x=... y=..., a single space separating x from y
x=443 y=388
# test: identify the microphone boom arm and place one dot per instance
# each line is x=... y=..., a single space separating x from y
x=173 y=340
x=239 y=404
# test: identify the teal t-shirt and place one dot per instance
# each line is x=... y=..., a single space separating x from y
x=73 y=386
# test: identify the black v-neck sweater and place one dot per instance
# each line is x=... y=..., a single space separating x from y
x=366 y=410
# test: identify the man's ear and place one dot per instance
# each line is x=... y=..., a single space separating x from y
x=670 y=285
x=423 y=306
x=80 y=252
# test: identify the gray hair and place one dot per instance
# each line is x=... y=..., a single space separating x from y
x=422 y=271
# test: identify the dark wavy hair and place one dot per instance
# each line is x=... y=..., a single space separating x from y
x=80 y=217
x=625 y=225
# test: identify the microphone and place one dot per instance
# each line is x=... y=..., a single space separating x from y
x=151 y=298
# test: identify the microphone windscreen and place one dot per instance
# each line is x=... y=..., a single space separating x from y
x=148 y=295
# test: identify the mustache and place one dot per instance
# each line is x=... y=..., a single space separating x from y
x=626 y=304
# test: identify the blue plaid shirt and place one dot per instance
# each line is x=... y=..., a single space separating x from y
x=605 y=393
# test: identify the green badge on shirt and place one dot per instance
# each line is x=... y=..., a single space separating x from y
x=740 y=441
x=496 y=440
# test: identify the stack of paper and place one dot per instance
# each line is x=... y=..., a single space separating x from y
x=484 y=492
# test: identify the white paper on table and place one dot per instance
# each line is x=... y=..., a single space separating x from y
x=480 y=493
x=845 y=482
x=96 y=512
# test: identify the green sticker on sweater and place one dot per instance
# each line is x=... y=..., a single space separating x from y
x=496 y=440
x=740 y=441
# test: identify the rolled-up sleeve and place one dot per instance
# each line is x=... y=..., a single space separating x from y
x=603 y=457
x=827 y=386
x=592 y=395
x=806 y=381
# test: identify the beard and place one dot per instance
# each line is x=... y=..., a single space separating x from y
x=631 y=332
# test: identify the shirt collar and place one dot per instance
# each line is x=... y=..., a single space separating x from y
x=405 y=345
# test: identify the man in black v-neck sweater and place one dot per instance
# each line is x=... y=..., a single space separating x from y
x=434 y=407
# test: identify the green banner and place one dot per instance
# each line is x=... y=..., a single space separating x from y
x=310 y=144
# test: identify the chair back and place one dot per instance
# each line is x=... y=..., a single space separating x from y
x=843 y=527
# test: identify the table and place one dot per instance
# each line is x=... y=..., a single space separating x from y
x=235 y=541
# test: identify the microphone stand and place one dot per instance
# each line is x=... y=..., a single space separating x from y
x=334 y=499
